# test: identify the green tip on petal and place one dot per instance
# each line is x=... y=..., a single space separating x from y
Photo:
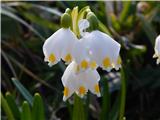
x=92 y=20
x=66 y=20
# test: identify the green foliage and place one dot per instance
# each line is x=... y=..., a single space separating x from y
x=27 y=112
x=38 y=108
x=23 y=91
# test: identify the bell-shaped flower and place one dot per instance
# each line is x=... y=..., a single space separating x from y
x=69 y=80
x=96 y=49
x=81 y=53
x=104 y=50
x=79 y=82
x=89 y=80
x=59 y=45
x=157 y=49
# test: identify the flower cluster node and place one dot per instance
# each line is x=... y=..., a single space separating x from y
x=84 y=55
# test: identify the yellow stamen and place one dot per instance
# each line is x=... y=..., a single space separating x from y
x=82 y=90
x=66 y=91
x=93 y=64
x=106 y=62
x=119 y=61
x=96 y=88
x=68 y=58
x=84 y=64
x=52 y=58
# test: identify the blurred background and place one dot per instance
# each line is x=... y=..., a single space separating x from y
x=135 y=25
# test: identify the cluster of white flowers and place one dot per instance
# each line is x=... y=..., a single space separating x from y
x=93 y=49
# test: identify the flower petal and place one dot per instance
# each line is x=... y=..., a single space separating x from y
x=81 y=53
x=103 y=49
x=69 y=80
x=56 y=47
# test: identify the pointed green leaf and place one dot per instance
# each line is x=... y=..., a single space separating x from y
x=26 y=112
x=38 y=108
x=11 y=102
x=6 y=108
x=23 y=90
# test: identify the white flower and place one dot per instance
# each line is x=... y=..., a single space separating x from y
x=96 y=49
x=157 y=49
x=79 y=82
x=59 y=45
x=104 y=50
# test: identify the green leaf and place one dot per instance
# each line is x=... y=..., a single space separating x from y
x=15 y=17
x=23 y=90
x=31 y=5
x=26 y=112
x=6 y=108
x=11 y=102
x=115 y=22
x=103 y=28
x=125 y=12
x=115 y=109
x=40 y=21
x=38 y=108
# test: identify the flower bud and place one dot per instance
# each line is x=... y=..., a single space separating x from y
x=92 y=20
x=68 y=11
x=66 y=20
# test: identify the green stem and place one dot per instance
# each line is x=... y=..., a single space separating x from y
x=105 y=102
x=78 y=109
x=123 y=95
x=6 y=108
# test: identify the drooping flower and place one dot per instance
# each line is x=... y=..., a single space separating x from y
x=59 y=45
x=79 y=82
x=157 y=49
x=96 y=49
x=104 y=50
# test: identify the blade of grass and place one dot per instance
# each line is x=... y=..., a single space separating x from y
x=6 y=108
x=26 y=112
x=27 y=71
x=125 y=12
x=9 y=63
x=12 y=104
x=40 y=21
x=15 y=17
x=23 y=90
x=38 y=108
x=45 y=8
